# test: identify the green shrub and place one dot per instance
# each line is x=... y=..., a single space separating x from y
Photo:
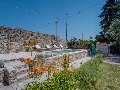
x=97 y=51
x=63 y=80
x=27 y=49
x=1 y=64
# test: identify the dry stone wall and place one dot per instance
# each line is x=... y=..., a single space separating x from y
x=103 y=47
x=16 y=71
x=11 y=39
x=74 y=56
x=1 y=75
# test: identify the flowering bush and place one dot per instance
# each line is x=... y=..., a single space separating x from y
x=37 y=68
x=84 y=78
x=30 y=45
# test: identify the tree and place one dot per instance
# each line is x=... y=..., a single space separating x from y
x=111 y=11
x=114 y=31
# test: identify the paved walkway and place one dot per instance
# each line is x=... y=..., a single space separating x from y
x=43 y=77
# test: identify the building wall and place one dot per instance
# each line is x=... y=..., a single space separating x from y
x=12 y=39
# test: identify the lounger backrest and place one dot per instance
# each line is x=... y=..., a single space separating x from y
x=47 y=46
x=37 y=46
x=55 y=46
x=61 y=46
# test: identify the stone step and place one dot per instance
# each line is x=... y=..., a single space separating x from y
x=23 y=77
x=21 y=66
x=13 y=60
x=17 y=64
x=22 y=71
x=113 y=59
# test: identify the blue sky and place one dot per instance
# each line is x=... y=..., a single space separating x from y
x=40 y=16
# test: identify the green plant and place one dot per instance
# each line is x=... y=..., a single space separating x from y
x=27 y=49
x=63 y=80
x=1 y=64
x=83 y=78
x=88 y=75
x=74 y=43
x=97 y=51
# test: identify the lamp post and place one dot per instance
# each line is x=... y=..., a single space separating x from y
x=82 y=36
x=56 y=27
x=66 y=27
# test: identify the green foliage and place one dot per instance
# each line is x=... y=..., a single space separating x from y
x=109 y=77
x=114 y=31
x=93 y=75
x=111 y=12
x=1 y=64
x=74 y=43
x=88 y=75
x=27 y=49
x=61 y=81
x=97 y=51
x=83 y=78
x=100 y=38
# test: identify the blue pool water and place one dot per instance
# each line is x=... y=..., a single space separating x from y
x=65 y=51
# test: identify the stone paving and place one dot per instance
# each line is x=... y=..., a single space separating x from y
x=20 y=85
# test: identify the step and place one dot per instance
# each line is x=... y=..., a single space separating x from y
x=13 y=60
x=17 y=64
x=21 y=66
x=113 y=58
x=22 y=71
x=22 y=77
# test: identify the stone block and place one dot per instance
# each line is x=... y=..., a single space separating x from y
x=10 y=74
x=1 y=74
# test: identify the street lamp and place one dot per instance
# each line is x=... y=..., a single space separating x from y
x=66 y=27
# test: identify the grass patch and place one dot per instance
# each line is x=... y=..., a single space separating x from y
x=88 y=75
x=110 y=77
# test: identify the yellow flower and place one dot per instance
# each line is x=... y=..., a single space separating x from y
x=69 y=54
x=66 y=65
x=35 y=70
x=33 y=42
x=62 y=63
x=51 y=66
x=53 y=62
x=71 y=70
x=37 y=60
x=61 y=56
x=29 y=42
x=27 y=61
x=64 y=55
x=42 y=69
x=67 y=59
x=55 y=71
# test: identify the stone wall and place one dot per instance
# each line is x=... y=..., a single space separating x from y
x=16 y=71
x=12 y=39
x=103 y=47
x=1 y=75
x=74 y=56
